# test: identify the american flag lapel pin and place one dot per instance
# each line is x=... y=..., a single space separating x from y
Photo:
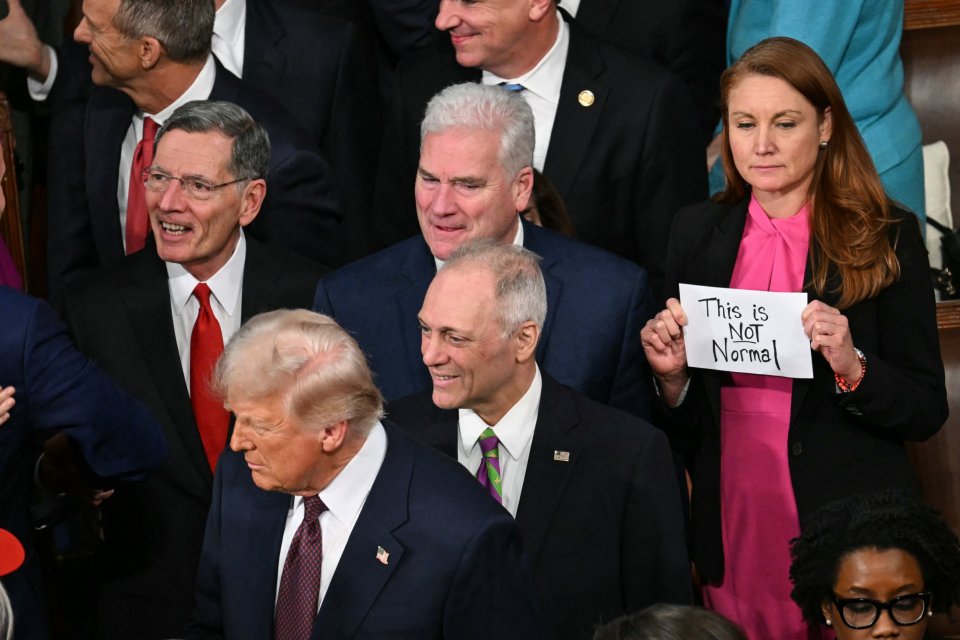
x=382 y=556
x=561 y=456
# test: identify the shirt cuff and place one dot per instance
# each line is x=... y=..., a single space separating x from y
x=40 y=91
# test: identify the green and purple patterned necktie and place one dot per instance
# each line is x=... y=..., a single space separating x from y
x=489 y=472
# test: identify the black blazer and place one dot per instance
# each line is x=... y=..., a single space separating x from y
x=605 y=530
x=120 y=317
x=300 y=212
x=316 y=66
x=839 y=444
x=623 y=165
x=686 y=37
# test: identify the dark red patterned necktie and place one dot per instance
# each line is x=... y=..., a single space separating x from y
x=206 y=345
x=138 y=222
x=300 y=581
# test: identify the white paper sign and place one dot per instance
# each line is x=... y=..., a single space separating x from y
x=746 y=331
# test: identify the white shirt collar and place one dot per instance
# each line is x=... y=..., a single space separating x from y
x=199 y=90
x=517 y=240
x=225 y=285
x=546 y=77
x=230 y=19
x=515 y=429
x=347 y=492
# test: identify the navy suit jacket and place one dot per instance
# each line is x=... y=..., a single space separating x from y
x=299 y=214
x=58 y=388
x=120 y=316
x=455 y=568
x=596 y=306
x=315 y=65
x=623 y=165
x=604 y=530
x=838 y=444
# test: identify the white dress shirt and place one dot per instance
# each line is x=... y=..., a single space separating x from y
x=229 y=35
x=570 y=6
x=229 y=38
x=199 y=90
x=344 y=496
x=515 y=431
x=542 y=90
x=226 y=287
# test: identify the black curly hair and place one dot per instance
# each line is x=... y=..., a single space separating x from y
x=886 y=520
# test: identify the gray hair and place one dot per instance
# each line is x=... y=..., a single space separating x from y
x=184 y=27
x=308 y=359
x=250 y=153
x=491 y=108
x=520 y=290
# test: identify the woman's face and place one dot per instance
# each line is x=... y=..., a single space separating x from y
x=877 y=575
x=775 y=136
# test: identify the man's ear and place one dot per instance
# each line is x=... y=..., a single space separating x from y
x=251 y=200
x=149 y=50
x=333 y=435
x=527 y=338
x=541 y=8
x=523 y=189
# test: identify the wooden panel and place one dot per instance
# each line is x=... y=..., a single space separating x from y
x=10 y=227
x=931 y=65
x=926 y=14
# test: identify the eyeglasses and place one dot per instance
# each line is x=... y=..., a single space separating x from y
x=193 y=187
x=862 y=613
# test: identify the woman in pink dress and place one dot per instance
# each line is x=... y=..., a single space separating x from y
x=804 y=210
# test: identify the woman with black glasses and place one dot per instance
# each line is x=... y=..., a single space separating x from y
x=876 y=567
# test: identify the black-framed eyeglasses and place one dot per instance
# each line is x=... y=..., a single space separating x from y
x=862 y=613
x=193 y=187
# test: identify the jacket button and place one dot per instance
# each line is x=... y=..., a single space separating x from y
x=797 y=448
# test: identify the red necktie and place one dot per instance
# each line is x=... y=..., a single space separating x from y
x=300 y=581
x=138 y=222
x=206 y=345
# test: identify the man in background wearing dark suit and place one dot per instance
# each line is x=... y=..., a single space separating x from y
x=328 y=523
x=592 y=488
x=616 y=135
x=475 y=177
x=148 y=59
x=150 y=320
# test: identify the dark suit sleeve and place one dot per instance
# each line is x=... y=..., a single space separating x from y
x=492 y=584
x=630 y=390
x=903 y=392
x=115 y=433
x=672 y=174
x=321 y=300
x=655 y=565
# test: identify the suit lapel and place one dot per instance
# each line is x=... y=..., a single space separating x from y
x=419 y=270
x=360 y=575
x=108 y=119
x=147 y=301
x=546 y=477
x=260 y=275
x=595 y=15
x=574 y=123
x=263 y=33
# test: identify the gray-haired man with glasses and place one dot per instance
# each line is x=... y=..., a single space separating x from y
x=157 y=321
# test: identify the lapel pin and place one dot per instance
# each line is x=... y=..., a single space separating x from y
x=585 y=98
x=561 y=456
x=382 y=556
